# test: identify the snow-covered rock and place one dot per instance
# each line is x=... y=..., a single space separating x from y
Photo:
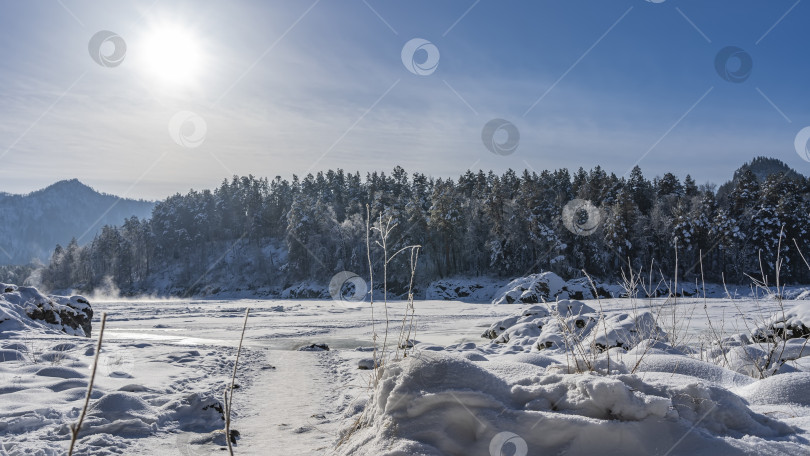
x=627 y=330
x=315 y=347
x=306 y=290
x=477 y=289
x=568 y=323
x=26 y=307
x=531 y=289
x=793 y=323
x=548 y=286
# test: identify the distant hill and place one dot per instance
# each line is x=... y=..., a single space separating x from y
x=762 y=167
x=33 y=224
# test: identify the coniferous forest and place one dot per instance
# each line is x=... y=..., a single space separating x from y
x=275 y=233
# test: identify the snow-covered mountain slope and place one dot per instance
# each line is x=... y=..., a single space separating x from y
x=34 y=223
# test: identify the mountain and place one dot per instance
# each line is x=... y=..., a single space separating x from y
x=761 y=167
x=33 y=224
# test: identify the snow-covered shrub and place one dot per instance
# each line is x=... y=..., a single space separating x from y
x=575 y=328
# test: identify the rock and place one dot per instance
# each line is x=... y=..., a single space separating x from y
x=315 y=347
x=67 y=314
x=26 y=306
x=365 y=364
x=466 y=289
x=791 y=324
x=306 y=290
x=548 y=286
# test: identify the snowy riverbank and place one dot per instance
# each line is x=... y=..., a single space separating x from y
x=165 y=363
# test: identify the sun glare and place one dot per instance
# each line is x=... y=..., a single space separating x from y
x=172 y=54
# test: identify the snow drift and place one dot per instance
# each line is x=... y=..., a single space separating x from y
x=564 y=378
x=443 y=404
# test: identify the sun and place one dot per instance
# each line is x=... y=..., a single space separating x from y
x=172 y=54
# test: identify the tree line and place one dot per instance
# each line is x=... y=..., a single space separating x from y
x=278 y=233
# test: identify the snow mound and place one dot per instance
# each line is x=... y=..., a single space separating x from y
x=535 y=359
x=120 y=414
x=567 y=323
x=438 y=404
x=653 y=347
x=194 y=412
x=695 y=368
x=122 y=405
x=548 y=286
x=23 y=308
x=789 y=388
x=60 y=372
x=626 y=330
x=127 y=414
x=10 y=355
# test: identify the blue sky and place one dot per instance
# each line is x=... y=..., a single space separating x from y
x=290 y=87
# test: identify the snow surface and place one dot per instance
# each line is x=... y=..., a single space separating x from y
x=165 y=364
